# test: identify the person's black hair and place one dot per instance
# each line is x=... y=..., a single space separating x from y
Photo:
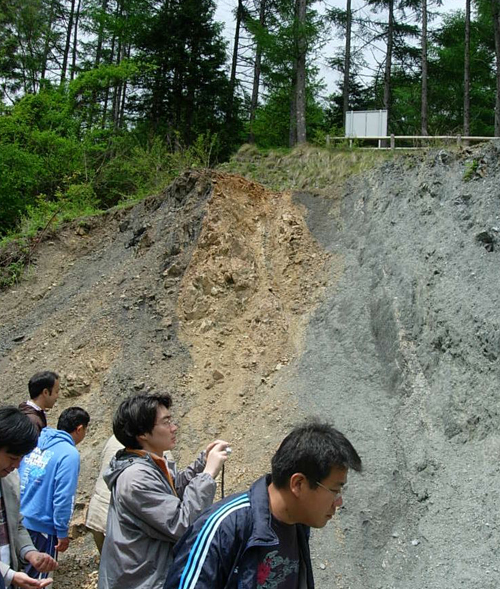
x=137 y=416
x=313 y=449
x=71 y=418
x=40 y=381
x=18 y=435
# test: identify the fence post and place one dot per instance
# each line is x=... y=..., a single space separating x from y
x=328 y=140
x=393 y=142
x=459 y=140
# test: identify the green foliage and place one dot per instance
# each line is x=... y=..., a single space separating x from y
x=13 y=259
x=470 y=170
x=90 y=84
x=11 y=274
x=446 y=76
x=77 y=200
x=19 y=171
x=323 y=137
x=185 y=92
x=39 y=153
x=272 y=121
x=139 y=170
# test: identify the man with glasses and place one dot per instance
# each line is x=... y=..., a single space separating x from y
x=152 y=504
x=260 y=539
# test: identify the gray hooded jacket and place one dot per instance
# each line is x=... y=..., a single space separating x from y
x=146 y=518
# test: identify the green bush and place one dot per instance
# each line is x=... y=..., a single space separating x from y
x=79 y=200
x=19 y=172
x=39 y=152
x=139 y=170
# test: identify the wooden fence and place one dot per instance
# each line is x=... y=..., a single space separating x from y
x=458 y=139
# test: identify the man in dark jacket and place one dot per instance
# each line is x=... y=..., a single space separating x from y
x=44 y=390
x=260 y=539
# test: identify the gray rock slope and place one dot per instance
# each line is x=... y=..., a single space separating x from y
x=403 y=356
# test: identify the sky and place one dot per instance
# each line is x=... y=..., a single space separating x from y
x=225 y=14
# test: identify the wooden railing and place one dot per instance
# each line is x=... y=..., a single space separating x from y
x=459 y=139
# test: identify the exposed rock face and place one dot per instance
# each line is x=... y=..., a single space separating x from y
x=243 y=305
x=404 y=354
x=203 y=291
x=375 y=307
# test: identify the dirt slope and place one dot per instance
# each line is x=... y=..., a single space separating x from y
x=374 y=304
x=204 y=291
x=404 y=354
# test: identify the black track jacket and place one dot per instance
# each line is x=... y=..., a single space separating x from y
x=220 y=550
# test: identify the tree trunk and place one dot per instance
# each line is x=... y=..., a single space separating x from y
x=46 y=49
x=232 y=79
x=292 y=135
x=67 y=45
x=388 y=63
x=256 y=73
x=124 y=94
x=97 y=61
x=347 y=63
x=100 y=35
x=301 y=72
x=106 y=94
x=467 y=70
x=75 y=41
x=425 y=104
x=496 y=28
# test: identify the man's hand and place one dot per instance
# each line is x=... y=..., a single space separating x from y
x=42 y=561
x=216 y=456
x=213 y=444
x=62 y=544
x=22 y=580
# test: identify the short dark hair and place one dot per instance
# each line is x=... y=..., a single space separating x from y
x=71 y=418
x=137 y=415
x=40 y=381
x=18 y=435
x=313 y=449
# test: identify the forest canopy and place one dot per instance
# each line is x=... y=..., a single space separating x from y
x=103 y=101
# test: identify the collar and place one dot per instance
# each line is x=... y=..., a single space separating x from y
x=259 y=499
x=34 y=405
x=160 y=463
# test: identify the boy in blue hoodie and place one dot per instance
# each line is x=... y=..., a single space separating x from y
x=49 y=477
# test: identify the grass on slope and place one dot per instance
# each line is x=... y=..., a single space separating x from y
x=306 y=167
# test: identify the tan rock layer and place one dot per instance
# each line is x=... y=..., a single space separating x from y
x=244 y=302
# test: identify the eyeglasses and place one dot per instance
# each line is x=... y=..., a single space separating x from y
x=167 y=421
x=336 y=494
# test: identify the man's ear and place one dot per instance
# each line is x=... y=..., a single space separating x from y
x=297 y=484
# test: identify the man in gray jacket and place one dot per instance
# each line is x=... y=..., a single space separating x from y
x=152 y=504
x=18 y=436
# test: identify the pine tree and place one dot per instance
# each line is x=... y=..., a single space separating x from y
x=185 y=90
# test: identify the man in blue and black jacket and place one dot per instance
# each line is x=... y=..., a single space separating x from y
x=260 y=539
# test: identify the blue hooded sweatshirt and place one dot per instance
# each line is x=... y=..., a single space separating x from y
x=49 y=477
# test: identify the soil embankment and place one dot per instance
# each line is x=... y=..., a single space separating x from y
x=404 y=355
x=374 y=304
x=204 y=291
